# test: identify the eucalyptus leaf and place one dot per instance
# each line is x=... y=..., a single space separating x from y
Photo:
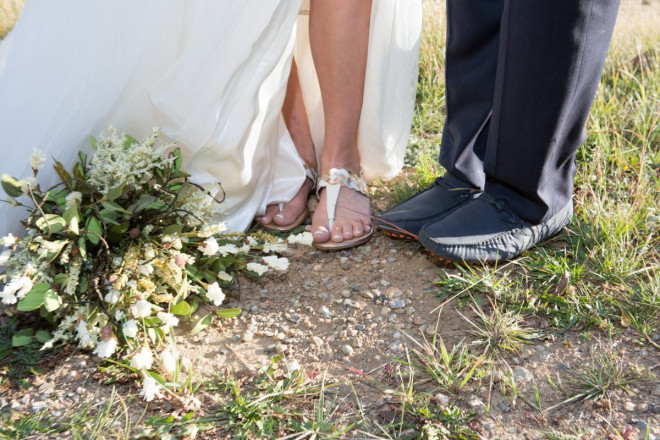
x=22 y=337
x=202 y=324
x=182 y=308
x=51 y=223
x=228 y=313
x=115 y=192
x=70 y=216
x=52 y=301
x=34 y=299
x=95 y=230
x=43 y=336
x=11 y=185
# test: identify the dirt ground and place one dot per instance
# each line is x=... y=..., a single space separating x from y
x=350 y=313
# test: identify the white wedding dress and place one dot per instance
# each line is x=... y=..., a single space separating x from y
x=211 y=73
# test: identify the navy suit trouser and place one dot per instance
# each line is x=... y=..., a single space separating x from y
x=521 y=76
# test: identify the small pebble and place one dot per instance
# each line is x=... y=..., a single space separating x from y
x=347 y=349
x=248 y=336
x=629 y=406
x=397 y=304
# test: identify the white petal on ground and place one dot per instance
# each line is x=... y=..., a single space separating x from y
x=257 y=268
x=276 y=263
x=142 y=359
x=214 y=293
x=130 y=329
x=150 y=389
x=106 y=348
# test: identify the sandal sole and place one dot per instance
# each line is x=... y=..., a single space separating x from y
x=346 y=244
x=290 y=227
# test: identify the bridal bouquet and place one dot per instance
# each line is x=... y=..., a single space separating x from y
x=121 y=250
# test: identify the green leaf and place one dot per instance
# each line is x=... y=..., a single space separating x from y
x=51 y=223
x=115 y=192
x=130 y=141
x=22 y=337
x=115 y=232
x=70 y=216
x=228 y=313
x=114 y=206
x=11 y=185
x=182 y=308
x=82 y=248
x=179 y=159
x=63 y=174
x=95 y=230
x=34 y=299
x=143 y=202
x=52 y=301
x=109 y=216
x=61 y=279
x=173 y=229
x=92 y=142
x=43 y=336
x=202 y=324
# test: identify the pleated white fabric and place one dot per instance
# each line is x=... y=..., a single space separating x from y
x=211 y=73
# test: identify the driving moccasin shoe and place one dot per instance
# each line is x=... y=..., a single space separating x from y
x=487 y=230
x=406 y=219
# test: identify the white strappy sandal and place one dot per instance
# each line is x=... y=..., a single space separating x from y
x=332 y=181
x=312 y=175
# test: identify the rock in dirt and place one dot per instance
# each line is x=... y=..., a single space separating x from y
x=347 y=349
x=629 y=406
x=397 y=303
x=521 y=375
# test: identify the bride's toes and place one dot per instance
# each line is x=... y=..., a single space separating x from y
x=267 y=218
x=321 y=234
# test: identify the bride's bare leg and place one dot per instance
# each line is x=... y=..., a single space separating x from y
x=339 y=36
x=295 y=117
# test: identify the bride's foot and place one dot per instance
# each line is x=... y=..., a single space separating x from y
x=292 y=213
x=351 y=221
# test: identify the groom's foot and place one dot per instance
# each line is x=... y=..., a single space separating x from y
x=406 y=219
x=486 y=229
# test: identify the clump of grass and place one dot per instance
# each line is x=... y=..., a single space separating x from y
x=9 y=12
x=499 y=330
x=605 y=372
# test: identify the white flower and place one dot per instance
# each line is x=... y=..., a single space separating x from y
x=293 y=366
x=304 y=238
x=226 y=249
x=142 y=359
x=259 y=269
x=245 y=249
x=224 y=276
x=119 y=315
x=73 y=199
x=214 y=293
x=28 y=183
x=168 y=359
x=279 y=246
x=9 y=240
x=210 y=247
x=252 y=241
x=130 y=328
x=106 y=349
x=146 y=269
x=168 y=319
x=141 y=309
x=112 y=296
x=85 y=338
x=276 y=263
x=16 y=288
x=4 y=257
x=132 y=284
x=37 y=159
x=150 y=389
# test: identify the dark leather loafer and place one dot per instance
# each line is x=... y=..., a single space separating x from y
x=487 y=230
x=406 y=219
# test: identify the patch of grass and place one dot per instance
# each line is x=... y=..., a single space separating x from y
x=499 y=330
x=89 y=420
x=605 y=372
x=9 y=12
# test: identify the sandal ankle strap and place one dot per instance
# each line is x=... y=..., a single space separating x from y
x=342 y=177
x=311 y=173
